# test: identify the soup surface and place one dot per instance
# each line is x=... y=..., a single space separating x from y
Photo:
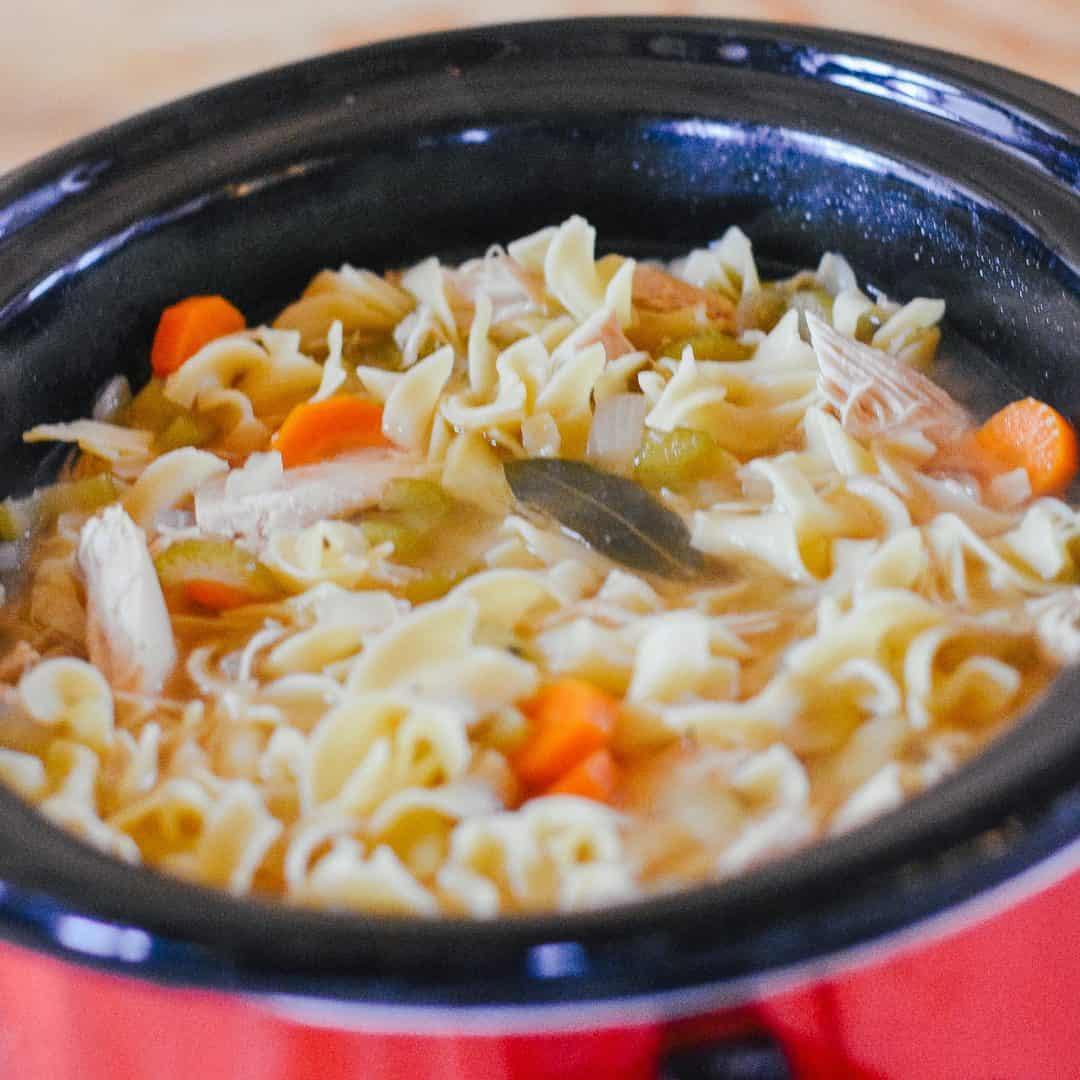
x=536 y=583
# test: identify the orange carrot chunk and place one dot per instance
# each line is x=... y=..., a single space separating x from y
x=1032 y=435
x=596 y=778
x=187 y=326
x=569 y=720
x=317 y=430
x=218 y=595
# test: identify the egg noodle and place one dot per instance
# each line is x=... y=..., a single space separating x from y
x=252 y=648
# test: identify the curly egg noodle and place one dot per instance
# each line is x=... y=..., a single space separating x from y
x=346 y=731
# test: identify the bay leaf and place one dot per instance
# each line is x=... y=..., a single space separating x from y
x=610 y=513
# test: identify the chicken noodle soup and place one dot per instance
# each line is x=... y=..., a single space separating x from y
x=536 y=583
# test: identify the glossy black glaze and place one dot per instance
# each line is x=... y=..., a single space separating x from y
x=935 y=175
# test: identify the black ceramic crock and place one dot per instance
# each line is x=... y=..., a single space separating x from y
x=935 y=175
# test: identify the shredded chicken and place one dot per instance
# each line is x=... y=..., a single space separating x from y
x=262 y=498
x=512 y=290
x=129 y=635
x=657 y=290
x=875 y=393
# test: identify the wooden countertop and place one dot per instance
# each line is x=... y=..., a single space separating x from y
x=69 y=66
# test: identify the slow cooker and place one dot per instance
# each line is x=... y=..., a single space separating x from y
x=942 y=940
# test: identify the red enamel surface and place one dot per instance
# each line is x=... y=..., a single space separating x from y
x=995 y=999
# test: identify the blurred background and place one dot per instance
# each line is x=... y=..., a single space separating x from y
x=70 y=66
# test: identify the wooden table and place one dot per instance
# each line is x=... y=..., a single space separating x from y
x=69 y=66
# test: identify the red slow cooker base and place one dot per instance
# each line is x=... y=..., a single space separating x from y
x=986 y=992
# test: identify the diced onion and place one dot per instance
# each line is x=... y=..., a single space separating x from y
x=617 y=428
x=1011 y=488
x=115 y=394
x=173 y=520
x=540 y=435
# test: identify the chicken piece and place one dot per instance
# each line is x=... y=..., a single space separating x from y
x=129 y=635
x=512 y=290
x=657 y=290
x=263 y=498
x=876 y=393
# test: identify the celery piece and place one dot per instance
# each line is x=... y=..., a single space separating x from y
x=206 y=558
x=358 y=350
x=679 y=457
x=15 y=519
x=432 y=585
x=424 y=497
x=186 y=430
x=869 y=323
x=82 y=496
x=710 y=345
x=410 y=512
x=150 y=409
x=761 y=310
x=651 y=331
x=10 y=525
x=729 y=287
x=408 y=539
x=173 y=425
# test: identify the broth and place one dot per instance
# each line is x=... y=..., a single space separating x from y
x=288 y=626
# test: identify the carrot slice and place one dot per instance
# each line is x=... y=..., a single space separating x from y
x=317 y=430
x=1035 y=436
x=570 y=719
x=596 y=778
x=218 y=595
x=187 y=326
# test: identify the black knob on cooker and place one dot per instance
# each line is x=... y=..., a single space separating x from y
x=753 y=1058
